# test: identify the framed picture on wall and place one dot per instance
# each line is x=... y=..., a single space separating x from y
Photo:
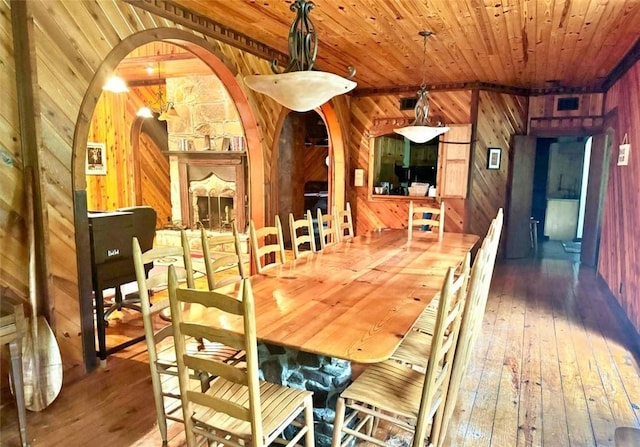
x=493 y=158
x=96 y=159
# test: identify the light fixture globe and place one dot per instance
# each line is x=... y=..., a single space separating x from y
x=300 y=90
x=421 y=134
x=298 y=87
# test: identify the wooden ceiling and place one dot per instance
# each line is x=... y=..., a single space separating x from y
x=536 y=45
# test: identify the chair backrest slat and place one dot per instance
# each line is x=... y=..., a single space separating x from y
x=327 y=228
x=222 y=255
x=435 y=221
x=345 y=223
x=266 y=243
x=301 y=234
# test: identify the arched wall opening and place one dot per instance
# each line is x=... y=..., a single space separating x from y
x=206 y=52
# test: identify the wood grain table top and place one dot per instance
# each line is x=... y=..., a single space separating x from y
x=355 y=300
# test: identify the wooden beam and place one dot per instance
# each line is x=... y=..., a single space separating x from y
x=412 y=89
x=203 y=24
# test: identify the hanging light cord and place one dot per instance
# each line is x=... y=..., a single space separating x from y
x=303 y=41
x=422 y=106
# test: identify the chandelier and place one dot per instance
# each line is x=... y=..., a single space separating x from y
x=298 y=87
x=164 y=109
x=420 y=130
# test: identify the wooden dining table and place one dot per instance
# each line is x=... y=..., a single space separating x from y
x=354 y=300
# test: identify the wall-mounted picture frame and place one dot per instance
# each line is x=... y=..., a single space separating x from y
x=494 y=157
x=96 y=159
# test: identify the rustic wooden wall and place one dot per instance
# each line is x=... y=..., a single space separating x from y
x=619 y=254
x=13 y=247
x=154 y=180
x=452 y=107
x=132 y=178
x=71 y=40
x=499 y=116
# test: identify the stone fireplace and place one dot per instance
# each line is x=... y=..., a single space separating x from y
x=207 y=158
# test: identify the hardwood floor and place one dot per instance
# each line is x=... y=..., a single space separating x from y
x=556 y=365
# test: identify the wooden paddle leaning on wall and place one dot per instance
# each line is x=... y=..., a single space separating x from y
x=41 y=360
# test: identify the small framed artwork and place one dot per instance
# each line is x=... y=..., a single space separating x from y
x=494 y=157
x=96 y=159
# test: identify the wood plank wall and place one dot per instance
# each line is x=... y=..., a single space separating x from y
x=71 y=39
x=619 y=259
x=499 y=116
x=13 y=245
x=155 y=180
x=147 y=171
x=452 y=107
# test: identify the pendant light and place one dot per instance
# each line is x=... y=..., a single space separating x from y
x=420 y=131
x=298 y=87
x=165 y=110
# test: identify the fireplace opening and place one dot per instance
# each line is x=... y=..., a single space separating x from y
x=214 y=212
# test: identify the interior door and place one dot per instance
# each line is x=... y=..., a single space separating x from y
x=519 y=196
x=596 y=188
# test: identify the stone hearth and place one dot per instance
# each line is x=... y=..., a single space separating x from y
x=327 y=377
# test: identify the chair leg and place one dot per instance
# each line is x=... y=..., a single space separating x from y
x=338 y=423
x=18 y=389
x=159 y=403
x=308 y=419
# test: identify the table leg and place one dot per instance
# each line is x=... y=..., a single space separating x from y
x=18 y=389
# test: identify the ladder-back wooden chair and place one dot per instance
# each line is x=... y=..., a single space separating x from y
x=328 y=229
x=222 y=255
x=237 y=409
x=302 y=235
x=477 y=295
x=402 y=396
x=435 y=222
x=267 y=244
x=345 y=223
x=159 y=337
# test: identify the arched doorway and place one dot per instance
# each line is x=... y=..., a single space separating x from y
x=293 y=131
x=221 y=67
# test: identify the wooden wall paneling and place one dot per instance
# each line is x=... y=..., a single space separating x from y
x=499 y=116
x=13 y=270
x=154 y=180
x=315 y=166
x=619 y=253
